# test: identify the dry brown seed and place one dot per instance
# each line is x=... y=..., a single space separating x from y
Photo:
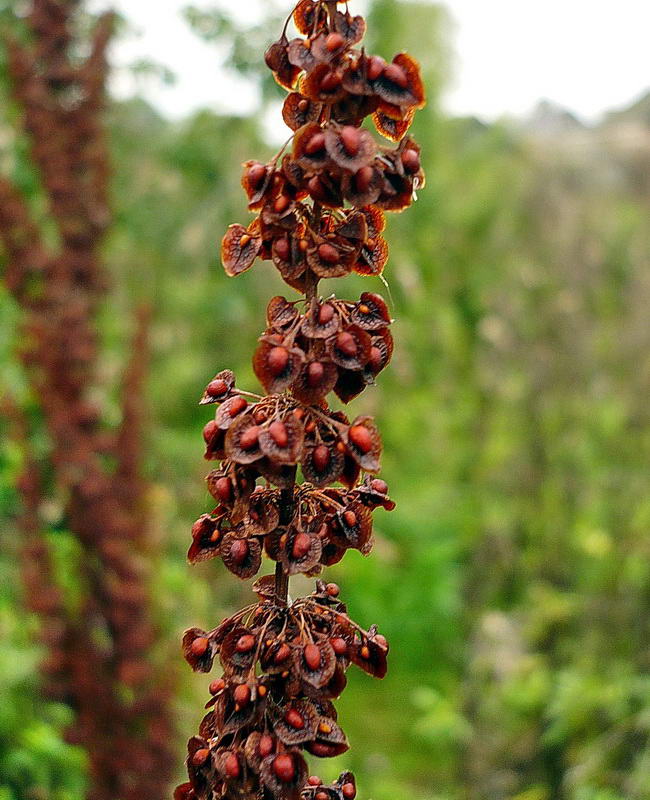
x=282 y=655
x=200 y=757
x=365 y=652
x=350 y=518
x=217 y=685
x=324 y=728
x=237 y=405
x=347 y=344
x=363 y=178
x=328 y=253
x=333 y=589
x=395 y=74
x=361 y=438
x=261 y=691
x=283 y=768
x=266 y=745
x=283 y=248
x=294 y=719
x=216 y=388
x=277 y=360
x=256 y=174
x=411 y=160
x=325 y=314
x=245 y=643
x=334 y=41
x=223 y=489
x=376 y=66
x=330 y=81
x=351 y=140
x=231 y=766
x=349 y=791
x=199 y=646
x=239 y=551
x=376 y=359
x=281 y=204
x=321 y=457
x=322 y=796
x=303 y=244
x=245 y=239
x=303 y=105
x=315 y=372
x=209 y=431
x=301 y=545
x=242 y=695
x=316 y=143
x=339 y=645
x=312 y=657
x=248 y=439
x=314 y=780
x=279 y=434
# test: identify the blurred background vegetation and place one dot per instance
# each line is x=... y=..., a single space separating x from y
x=513 y=579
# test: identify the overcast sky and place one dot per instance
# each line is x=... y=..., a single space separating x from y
x=588 y=55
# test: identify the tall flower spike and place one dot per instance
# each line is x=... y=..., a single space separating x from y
x=319 y=214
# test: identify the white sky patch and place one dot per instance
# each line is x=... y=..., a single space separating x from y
x=587 y=55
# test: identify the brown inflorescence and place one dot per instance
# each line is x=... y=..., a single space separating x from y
x=99 y=649
x=319 y=213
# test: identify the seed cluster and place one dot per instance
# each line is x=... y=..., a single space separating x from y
x=319 y=214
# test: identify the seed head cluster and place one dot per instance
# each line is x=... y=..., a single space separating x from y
x=319 y=210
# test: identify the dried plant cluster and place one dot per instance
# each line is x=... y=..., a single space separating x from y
x=319 y=214
x=99 y=653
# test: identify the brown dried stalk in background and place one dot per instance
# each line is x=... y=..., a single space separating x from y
x=319 y=213
x=99 y=656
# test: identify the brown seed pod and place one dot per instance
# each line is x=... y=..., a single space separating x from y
x=371 y=312
x=219 y=388
x=315 y=662
x=276 y=365
x=364 y=186
x=199 y=649
x=373 y=257
x=381 y=351
x=390 y=127
x=351 y=471
x=263 y=514
x=350 y=384
x=243 y=557
x=330 y=259
x=322 y=464
x=280 y=475
x=281 y=440
x=239 y=248
x=349 y=147
x=325 y=188
x=352 y=29
x=308 y=17
x=242 y=440
x=284 y=774
x=238 y=651
x=214 y=438
x=354 y=528
x=316 y=379
x=256 y=181
x=300 y=553
x=258 y=746
x=324 y=84
x=364 y=443
x=400 y=83
x=321 y=321
x=206 y=537
x=370 y=655
x=281 y=314
x=199 y=762
x=309 y=146
x=301 y=54
x=350 y=348
x=230 y=410
x=330 y=740
x=277 y=60
x=354 y=228
x=295 y=722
